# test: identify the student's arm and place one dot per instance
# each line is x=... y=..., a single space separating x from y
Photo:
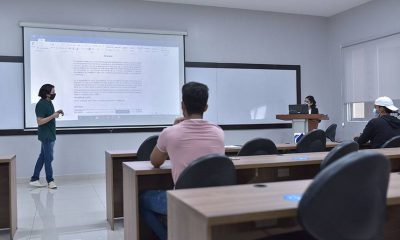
x=157 y=157
x=160 y=153
x=41 y=121
x=366 y=134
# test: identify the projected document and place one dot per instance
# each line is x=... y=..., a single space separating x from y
x=107 y=81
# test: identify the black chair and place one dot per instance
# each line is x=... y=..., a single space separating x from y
x=394 y=142
x=314 y=141
x=208 y=171
x=346 y=200
x=258 y=146
x=339 y=151
x=331 y=132
x=145 y=149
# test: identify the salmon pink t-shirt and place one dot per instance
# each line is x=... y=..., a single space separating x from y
x=189 y=140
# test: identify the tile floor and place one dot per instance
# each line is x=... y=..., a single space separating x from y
x=75 y=211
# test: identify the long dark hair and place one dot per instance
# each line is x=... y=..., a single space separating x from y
x=312 y=100
x=44 y=90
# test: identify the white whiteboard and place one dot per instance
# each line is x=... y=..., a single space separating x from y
x=246 y=96
x=12 y=98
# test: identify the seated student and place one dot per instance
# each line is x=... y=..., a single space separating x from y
x=189 y=138
x=383 y=127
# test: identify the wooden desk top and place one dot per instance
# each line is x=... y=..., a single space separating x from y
x=240 y=203
x=7 y=158
x=228 y=149
x=260 y=161
x=121 y=153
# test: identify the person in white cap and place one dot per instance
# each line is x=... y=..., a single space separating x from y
x=382 y=128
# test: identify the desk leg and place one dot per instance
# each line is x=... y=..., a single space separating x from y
x=114 y=188
x=395 y=164
x=13 y=198
x=8 y=197
x=4 y=196
x=184 y=223
x=392 y=225
x=109 y=191
x=131 y=215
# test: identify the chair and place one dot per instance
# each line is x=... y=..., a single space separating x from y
x=145 y=149
x=258 y=146
x=207 y=171
x=331 y=132
x=346 y=200
x=392 y=143
x=339 y=151
x=314 y=141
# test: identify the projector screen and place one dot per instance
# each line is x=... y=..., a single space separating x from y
x=104 y=78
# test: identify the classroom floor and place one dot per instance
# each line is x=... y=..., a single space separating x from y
x=75 y=211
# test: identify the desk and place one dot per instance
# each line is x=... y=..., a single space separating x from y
x=220 y=212
x=139 y=176
x=114 y=190
x=8 y=194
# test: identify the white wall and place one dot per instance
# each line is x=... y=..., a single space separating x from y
x=214 y=35
x=374 y=19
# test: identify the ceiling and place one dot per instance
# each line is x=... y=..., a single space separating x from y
x=324 y=8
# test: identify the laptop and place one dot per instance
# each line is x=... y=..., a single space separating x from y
x=298 y=109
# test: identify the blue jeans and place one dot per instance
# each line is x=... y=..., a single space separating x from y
x=152 y=204
x=45 y=158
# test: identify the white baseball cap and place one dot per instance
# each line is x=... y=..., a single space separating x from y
x=386 y=102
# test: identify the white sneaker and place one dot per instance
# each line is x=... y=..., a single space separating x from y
x=52 y=185
x=36 y=184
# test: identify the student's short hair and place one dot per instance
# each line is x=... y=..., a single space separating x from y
x=44 y=90
x=195 y=97
x=312 y=100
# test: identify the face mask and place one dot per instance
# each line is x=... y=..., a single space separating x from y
x=376 y=114
x=52 y=96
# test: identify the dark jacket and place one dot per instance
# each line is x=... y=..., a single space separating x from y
x=379 y=130
x=314 y=110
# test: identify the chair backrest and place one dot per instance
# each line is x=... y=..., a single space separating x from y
x=258 y=146
x=392 y=143
x=347 y=199
x=339 y=151
x=145 y=149
x=331 y=132
x=314 y=141
x=208 y=171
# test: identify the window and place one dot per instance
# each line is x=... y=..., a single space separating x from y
x=360 y=111
x=371 y=70
x=363 y=111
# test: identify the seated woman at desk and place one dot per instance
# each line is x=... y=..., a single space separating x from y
x=312 y=105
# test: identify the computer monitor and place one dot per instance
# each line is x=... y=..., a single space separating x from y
x=298 y=109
